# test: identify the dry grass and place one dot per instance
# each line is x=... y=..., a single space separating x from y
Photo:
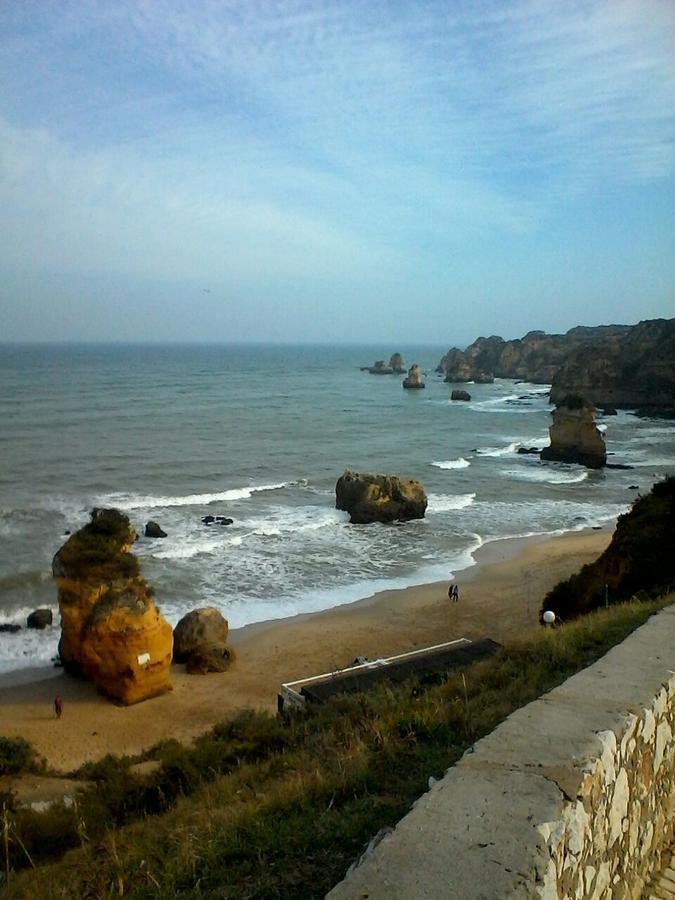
x=263 y=808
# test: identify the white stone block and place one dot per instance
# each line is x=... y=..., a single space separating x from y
x=648 y=725
x=619 y=807
x=608 y=755
x=664 y=736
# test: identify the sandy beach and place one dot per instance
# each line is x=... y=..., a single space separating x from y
x=499 y=598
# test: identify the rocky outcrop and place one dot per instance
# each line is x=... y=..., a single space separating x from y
x=460 y=395
x=379 y=498
x=639 y=558
x=414 y=379
x=631 y=370
x=574 y=435
x=216 y=520
x=629 y=366
x=199 y=641
x=396 y=364
x=153 y=530
x=111 y=632
x=379 y=368
x=39 y=618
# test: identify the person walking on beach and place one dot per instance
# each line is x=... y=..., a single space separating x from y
x=451 y=593
x=455 y=594
x=58 y=706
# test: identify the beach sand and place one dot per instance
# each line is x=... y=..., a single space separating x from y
x=499 y=598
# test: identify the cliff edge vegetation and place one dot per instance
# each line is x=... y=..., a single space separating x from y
x=639 y=559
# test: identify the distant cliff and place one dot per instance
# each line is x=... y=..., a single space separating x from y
x=634 y=369
x=610 y=365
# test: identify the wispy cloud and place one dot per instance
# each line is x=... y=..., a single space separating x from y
x=306 y=139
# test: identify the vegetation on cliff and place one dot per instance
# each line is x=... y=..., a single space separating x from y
x=99 y=550
x=267 y=808
x=639 y=558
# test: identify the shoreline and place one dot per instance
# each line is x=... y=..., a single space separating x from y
x=494 y=550
x=500 y=594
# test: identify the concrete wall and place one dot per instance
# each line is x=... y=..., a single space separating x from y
x=573 y=796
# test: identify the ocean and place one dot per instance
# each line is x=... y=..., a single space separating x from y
x=261 y=434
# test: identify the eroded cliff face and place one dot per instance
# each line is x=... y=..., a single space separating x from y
x=634 y=369
x=574 y=435
x=110 y=630
x=379 y=498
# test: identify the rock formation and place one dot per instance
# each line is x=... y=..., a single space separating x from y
x=39 y=618
x=629 y=366
x=396 y=364
x=216 y=520
x=110 y=629
x=199 y=641
x=153 y=530
x=379 y=368
x=574 y=436
x=635 y=369
x=460 y=395
x=639 y=558
x=414 y=378
x=379 y=498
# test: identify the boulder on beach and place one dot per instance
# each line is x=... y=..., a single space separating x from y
x=414 y=379
x=379 y=498
x=111 y=631
x=574 y=435
x=199 y=641
x=9 y=628
x=39 y=618
x=460 y=395
x=153 y=530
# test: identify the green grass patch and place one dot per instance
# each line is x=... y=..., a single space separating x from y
x=266 y=808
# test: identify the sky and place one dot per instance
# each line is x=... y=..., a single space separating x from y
x=349 y=171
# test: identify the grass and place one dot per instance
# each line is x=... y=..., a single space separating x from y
x=267 y=809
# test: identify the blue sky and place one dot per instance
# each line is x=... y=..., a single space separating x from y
x=352 y=170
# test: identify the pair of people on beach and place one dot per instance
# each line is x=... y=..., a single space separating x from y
x=453 y=593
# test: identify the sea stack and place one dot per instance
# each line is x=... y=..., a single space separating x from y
x=414 y=379
x=574 y=435
x=396 y=364
x=111 y=632
x=379 y=498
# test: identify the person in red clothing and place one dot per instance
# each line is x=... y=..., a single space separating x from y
x=58 y=706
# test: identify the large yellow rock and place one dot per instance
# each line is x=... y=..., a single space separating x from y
x=574 y=435
x=379 y=498
x=110 y=629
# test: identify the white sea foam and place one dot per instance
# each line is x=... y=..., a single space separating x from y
x=438 y=503
x=460 y=463
x=498 y=451
x=545 y=474
x=136 y=501
x=284 y=606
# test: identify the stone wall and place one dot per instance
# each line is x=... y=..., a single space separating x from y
x=573 y=796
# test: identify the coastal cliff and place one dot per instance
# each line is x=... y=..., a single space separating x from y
x=633 y=369
x=111 y=631
x=611 y=365
x=639 y=558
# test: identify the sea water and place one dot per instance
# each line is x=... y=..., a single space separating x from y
x=260 y=434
